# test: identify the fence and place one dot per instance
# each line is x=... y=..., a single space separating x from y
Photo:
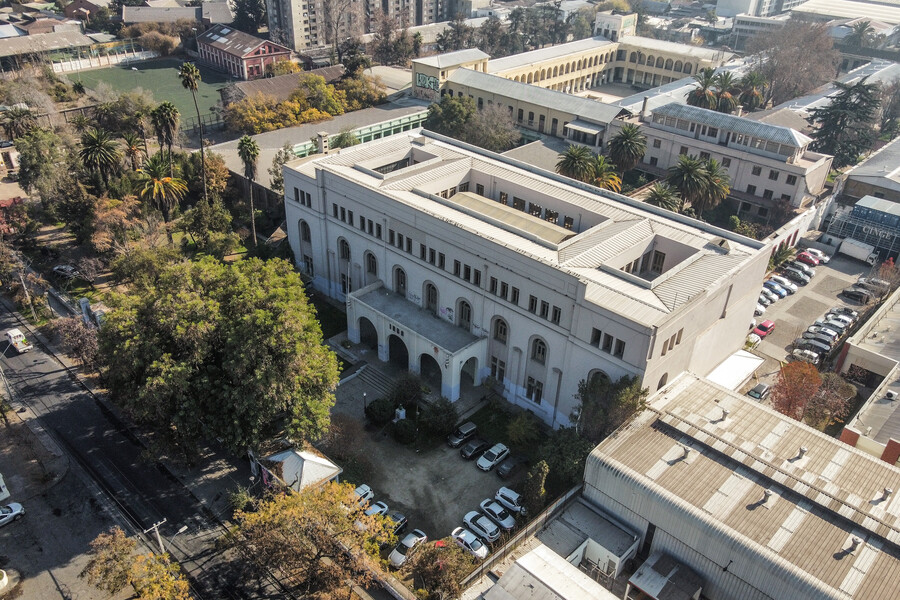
x=210 y=122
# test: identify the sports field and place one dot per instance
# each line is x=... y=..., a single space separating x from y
x=160 y=78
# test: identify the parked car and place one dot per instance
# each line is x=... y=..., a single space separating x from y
x=11 y=512
x=66 y=271
x=473 y=448
x=806 y=355
x=379 y=508
x=760 y=391
x=769 y=294
x=843 y=310
x=835 y=326
x=818 y=337
x=462 y=433
x=481 y=526
x=840 y=318
x=796 y=276
x=753 y=340
x=823 y=331
x=806 y=257
x=857 y=295
x=759 y=310
x=814 y=345
x=879 y=286
x=497 y=514
x=763 y=301
x=775 y=288
x=402 y=551
x=469 y=542
x=823 y=258
x=364 y=494
x=787 y=285
x=805 y=269
x=511 y=500
x=399 y=521
x=493 y=457
x=511 y=466
x=764 y=328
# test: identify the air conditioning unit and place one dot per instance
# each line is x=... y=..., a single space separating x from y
x=891 y=395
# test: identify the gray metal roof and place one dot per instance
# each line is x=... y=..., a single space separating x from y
x=879 y=204
x=234 y=42
x=742 y=125
x=877 y=71
x=523 y=59
x=451 y=59
x=43 y=42
x=599 y=112
x=511 y=218
x=645 y=43
x=881 y=168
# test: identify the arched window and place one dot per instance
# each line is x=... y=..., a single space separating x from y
x=529 y=78
x=662 y=381
x=649 y=60
x=464 y=315
x=687 y=68
x=400 y=281
x=678 y=66
x=669 y=64
x=598 y=377
x=632 y=57
x=539 y=351
x=578 y=65
x=344 y=249
x=659 y=62
x=431 y=298
x=371 y=264
x=501 y=330
x=555 y=71
x=305 y=235
x=543 y=74
x=596 y=60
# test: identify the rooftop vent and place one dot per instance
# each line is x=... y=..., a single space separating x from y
x=886 y=493
x=724 y=414
x=854 y=543
x=803 y=451
x=767 y=495
x=891 y=395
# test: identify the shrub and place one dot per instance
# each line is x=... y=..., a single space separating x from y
x=523 y=430
x=405 y=431
x=407 y=391
x=734 y=222
x=380 y=411
x=439 y=417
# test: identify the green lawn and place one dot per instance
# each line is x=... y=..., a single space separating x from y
x=159 y=77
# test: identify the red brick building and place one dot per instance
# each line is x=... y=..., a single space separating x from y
x=240 y=54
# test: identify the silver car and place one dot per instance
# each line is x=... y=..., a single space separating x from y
x=497 y=514
x=469 y=542
x=11 y=512
x=401 y=553
x=481 y=526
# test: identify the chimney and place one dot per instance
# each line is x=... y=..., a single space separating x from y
x=322 y=141
x=767 y=495
x=740 y=111
x=644 y=108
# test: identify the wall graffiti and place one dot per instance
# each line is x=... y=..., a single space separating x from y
x=428 y=82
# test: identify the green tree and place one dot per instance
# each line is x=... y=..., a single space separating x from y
x=165 y=119
x=845 y=128
x=751 y=87
x=523 y=430
x=156 y=577
x=456 y=36
x=133 y=148
x=46 y=163
x=344 y=139
x=627 y=148
x=190 y=79
x=664 y=196
x=282 y=67
x=565 y=452
x=688 y=175
x=220 y=350
x=604 y=405
x=319 y=94
x=249 y=15
x=860 y=35
x=100 y=153
x=17 y=121
x=248 y=150
x=533 y=492
x=604 y=174
x=160 y=190
x=727 y=89
x=704 y=95
x=450 y=116
x=439 y=417
x=276 y=173
x=491 y=128
x=781 y=255
x=718 y=186
x=576 y=162
x=352 y=54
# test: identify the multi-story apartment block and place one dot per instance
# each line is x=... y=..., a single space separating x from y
x=460 y=264
x=766 y=162
x=745 y=26
x=298 y=24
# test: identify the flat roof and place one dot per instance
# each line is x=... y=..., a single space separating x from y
x=879 y=204
x=511 y=218
x=877 y=71
x=820 y=497
x=646 y=43
x=887 y=11
x=515 y=61
x=665 y=578
x=43 y=42
x=579 y=522
x=452 y=59
x=881 y=168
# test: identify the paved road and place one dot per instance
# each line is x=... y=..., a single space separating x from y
x=95 y=439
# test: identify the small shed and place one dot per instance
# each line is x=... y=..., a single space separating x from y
x=661 y=577
x=297 y=469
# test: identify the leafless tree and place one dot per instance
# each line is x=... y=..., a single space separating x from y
x=343 y=19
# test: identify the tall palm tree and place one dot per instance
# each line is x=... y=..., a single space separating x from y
x=160 y=190
x=190 y=78
x=627 y=148
x=100 y=152
x=726 y=86
x=664 y=196
x=165 y=119
x=17 y=121
x=860 y=34
x=605 y=175
x=248 y=150
x=688 y=175
x=134 y=150
x=703 y=95
x=576 y=162
x=752 y=85
x=718 y=186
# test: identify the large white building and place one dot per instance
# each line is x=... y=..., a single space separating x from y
x=461 y=264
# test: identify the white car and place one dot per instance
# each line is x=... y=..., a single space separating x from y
x=511 y=501
x=481 y=526
x=824 y=331
x=379 y=508
x=806 y=356
x=753 y=340
x=786 y=284
x=11 y=512
x=469 y=542
x=839 y=318
x=759 y=310
x=823 y=258
x=492 y=457
x=401 y=553
x=364 y=495
x=497 y=514
x=772 y=296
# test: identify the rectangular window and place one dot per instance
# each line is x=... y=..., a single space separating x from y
x=504 y=289
x=665 y=347
x=431 y=255
x=704 y=155
x=498 y=368
x=334 y=209
x=370 y=225
x=786 y=197
x=791 y=180
x=343 y=214
x=504 y=198
x=654 y=161
x=350 y=217
x=545 y=309
x=467 y=272
x=535 y=390
x=756 y=171
x=362 y=224
x=773 y=174
x=659 y=260
x=408 y=246
x=479 y=189
x=596 y=335
x=567 y=223
x=713 y=132
x=297 y=195
x=492 y=288
x=515 y=296
x=683 y=150
x=400 y=241
x=518 y=204
x=476 y=277
x=532 y=304
x=657 y=143
x=767 y=194
x=423 y=251
x=535 y=209
x=551 y=215
x=620 y=348
x=391 y=237
x=678 y=337
x=464 y=186
x=457 y=268
x=762 y=211
x=556 y=315
x=751 y=189
x=441 y=261
x=726 y=162
x=607 y=342
x=308 y=199
x=378 y=231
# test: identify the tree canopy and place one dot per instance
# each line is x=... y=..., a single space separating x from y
x=219 y=350
x=491 y=127
x=846 y=126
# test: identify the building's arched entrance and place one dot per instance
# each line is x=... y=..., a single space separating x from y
x=430 y=372
x=367 y=333
x=398 y=355
x=467 y=375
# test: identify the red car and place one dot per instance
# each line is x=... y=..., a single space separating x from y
x=807 y=258
x=764 y=328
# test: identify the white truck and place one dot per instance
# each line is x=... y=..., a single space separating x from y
x=858 y=250
x=17 y=340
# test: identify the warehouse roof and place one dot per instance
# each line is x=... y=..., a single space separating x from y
x=787 y=496
x=279 y=87
x=881 y=168
x=887 y=11
x=43 y=42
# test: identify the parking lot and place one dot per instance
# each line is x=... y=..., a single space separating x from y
x=793 y=314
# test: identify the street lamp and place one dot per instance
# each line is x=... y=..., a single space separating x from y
x=364 y=403
x=182 y=529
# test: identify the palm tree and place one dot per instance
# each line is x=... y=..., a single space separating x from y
x=627 y=148
x=718 y=186
x=17 y=121
x=165 y=118
x=664 y=196
x=752 y=85
x=133 y=150
x=576 y=162
x=248 y=150
x=190 y=78
x=100 y=152
x=726 y=86
x=688 y=175
x=605 y=175
x=860 y=34
x=703 y=95
x=160 y=190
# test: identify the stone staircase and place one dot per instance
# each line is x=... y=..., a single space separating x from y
x=377 y=384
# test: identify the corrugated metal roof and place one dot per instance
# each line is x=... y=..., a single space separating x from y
x=646 y=44
x=618 y=238
x=43 y=42
x=599 y=112
x=508 y=63
x=452 y=59
x=696 y=277
x=234 y=42
x=879 y=204
x=742 y=125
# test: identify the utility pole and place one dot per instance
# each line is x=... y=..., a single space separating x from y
x=155 y=529
x=28 y=297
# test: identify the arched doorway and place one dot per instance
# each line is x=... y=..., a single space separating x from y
x=662 y=381
x=464 y=315
x=368 y=335
x=467 y=375
x=398 y=355
x=431 y=298
x=430 y=372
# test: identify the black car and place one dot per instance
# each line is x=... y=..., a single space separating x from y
x=400 y=521
x=760 y=392
x=510 y=467
x=474 y=448
x=795 y=276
